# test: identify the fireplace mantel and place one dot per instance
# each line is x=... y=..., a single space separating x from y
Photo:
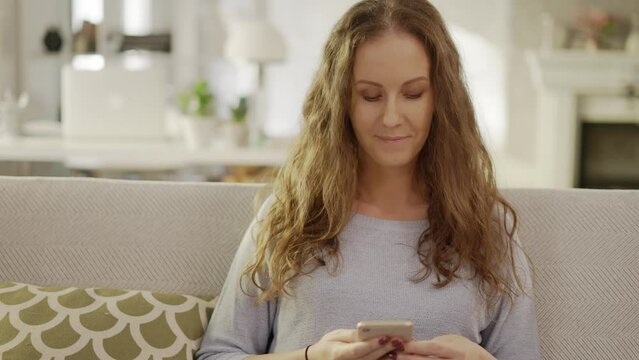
x=584 y=71
x=561 y=77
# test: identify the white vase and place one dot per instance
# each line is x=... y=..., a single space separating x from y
x=10 y=109
x=9 y=122
x=632 y=43
x=198 y=131
x=236 y=135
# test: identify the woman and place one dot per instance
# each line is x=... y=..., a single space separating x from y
x=386 y=210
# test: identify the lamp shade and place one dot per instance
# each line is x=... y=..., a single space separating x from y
x=255 y=40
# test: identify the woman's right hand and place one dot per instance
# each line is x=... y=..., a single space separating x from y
x=342 y=344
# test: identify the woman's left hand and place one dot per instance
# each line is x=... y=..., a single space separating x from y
x=448 y=347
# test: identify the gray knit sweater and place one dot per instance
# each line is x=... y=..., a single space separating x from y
x=372 y=283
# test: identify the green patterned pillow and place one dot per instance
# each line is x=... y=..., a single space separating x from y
x=71 y=323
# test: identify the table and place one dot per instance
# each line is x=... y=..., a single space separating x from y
x=100 y=155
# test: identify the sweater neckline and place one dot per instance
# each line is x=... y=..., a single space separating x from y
x=388 y=224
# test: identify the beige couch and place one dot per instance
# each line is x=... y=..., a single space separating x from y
x=181 y=237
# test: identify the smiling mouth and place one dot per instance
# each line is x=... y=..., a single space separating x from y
x=392 y=138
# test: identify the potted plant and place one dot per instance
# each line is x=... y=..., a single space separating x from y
x=236 y=131
x=198 y=109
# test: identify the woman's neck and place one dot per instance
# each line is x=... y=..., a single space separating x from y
x=390 y=193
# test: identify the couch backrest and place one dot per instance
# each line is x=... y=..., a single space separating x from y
x=160 y=236
x=584 y=245
x=181 y=237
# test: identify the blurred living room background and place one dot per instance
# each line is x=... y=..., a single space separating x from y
x=212 y=90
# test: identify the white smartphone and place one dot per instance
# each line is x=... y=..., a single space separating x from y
x=402 y=329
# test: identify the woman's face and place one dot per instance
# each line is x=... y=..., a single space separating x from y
x=391 y=106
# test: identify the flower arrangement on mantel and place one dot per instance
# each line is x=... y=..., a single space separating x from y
x=598 y=29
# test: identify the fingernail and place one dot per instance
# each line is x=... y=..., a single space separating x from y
x=391 y=355
x=384 y=340
x=398 y=345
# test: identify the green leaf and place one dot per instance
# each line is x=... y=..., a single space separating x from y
x=239 y=112
x=198 y=100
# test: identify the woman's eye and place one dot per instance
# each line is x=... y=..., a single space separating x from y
x=372 y=98
x=413 y=96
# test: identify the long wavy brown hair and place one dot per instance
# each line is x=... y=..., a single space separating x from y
x=471 y=224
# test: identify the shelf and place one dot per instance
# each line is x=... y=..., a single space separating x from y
x=584 y=71
x=117 y=155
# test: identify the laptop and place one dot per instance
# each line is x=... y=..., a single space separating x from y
x=114 y=104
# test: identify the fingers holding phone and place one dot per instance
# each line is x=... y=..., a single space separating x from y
x=400 y=331
x=344 y=344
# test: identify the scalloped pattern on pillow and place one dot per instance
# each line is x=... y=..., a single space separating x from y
x=73 y=323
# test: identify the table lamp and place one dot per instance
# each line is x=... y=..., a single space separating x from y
x=256 y=41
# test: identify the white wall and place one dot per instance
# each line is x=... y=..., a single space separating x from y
x=8 y=45
x=484 y=47
x=306 y=26
x=39 y=74
x=8 y=57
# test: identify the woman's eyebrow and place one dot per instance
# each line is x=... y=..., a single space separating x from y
x=420 y=78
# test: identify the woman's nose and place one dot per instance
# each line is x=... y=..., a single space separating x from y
x=391 y=116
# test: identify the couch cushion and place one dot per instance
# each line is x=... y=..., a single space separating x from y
x=75 y=323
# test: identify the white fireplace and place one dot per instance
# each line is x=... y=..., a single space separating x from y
x=576 y=86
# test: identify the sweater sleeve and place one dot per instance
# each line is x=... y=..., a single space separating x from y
x=512 y=333
x=240 y=326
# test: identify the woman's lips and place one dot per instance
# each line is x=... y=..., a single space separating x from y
x=392 y=139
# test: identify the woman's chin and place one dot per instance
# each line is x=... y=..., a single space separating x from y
x=393 y=160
